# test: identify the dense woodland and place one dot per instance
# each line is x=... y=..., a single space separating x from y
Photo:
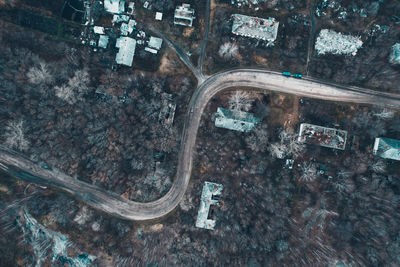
x=334 y=208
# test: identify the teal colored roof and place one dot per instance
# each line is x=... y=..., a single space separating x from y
x=235 y=120
x=387 y=148
x=209 y=190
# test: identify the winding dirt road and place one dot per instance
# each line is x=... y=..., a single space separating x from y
x=254 y=79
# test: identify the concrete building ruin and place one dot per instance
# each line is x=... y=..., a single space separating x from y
x=114 y=6
x=253 y=27
x=395 y=54
x=235 y=120
x=323 y=136
x=184 y=15
x=126 y=51
x=387 y=148
x=331 y=42
x=209 y=191
x=167 y=112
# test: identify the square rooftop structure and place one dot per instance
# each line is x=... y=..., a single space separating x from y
x=395 y=55
x=114 y=6
x=323 y=136
x=184 y=15
x=331 y=42
x=98 y=29
x=103 y=41
x=209 y=190
x=159 y=15
x=126 y=51
x=253 y=27
x=235 y=120
x=387 y=148
x=155 y=43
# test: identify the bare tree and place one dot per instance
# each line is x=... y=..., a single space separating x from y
x=384 y=114
x=76 y=87
x=379 y=166
x=40 y=74
x=288 y=145
x=308 y=172
x=15 y=137
x=257 y=140
x=240 y=100
x=228 y=50
x=65 y=93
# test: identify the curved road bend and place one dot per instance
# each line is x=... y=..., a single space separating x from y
x=254 y=79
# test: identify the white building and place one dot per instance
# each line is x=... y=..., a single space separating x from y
x=98 y=29
x=253 y=27
x=114 y=6
x=159 y=15
x=126 y=51
x=331 y=42
x=184 y=15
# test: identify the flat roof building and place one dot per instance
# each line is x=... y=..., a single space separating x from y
x=387 y=148
x=235 y=120
x=253 y=27
x=184 y=15
x=114 y=6
x=159 y=15
x=126 y=51
x=98 y=29
x=155 y=42
x=209 y=190
x=323 y=136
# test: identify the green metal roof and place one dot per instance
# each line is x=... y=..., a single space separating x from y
x=235 y=120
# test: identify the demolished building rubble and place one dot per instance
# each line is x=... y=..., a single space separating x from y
x=209 y=190
x=323 y=136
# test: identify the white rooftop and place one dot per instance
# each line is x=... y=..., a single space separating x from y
x=155 y=43
x=184 y=15
x=114 y=6
x=159 y=15
x=235 y=120
x=103 y=41
x=331 y=42
x=126 y=51
x=98 y=29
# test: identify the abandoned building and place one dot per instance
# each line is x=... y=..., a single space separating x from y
x=184 y=15
x=126 y=51
x=209 y=190
x=331 y=42
x=114 y=6
x=323 y=136
x=253 y=27
x=387 y=148
x=235 y=120
x=395 y=54
x=167 y=112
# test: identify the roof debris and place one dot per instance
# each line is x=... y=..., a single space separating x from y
x=331 y=42
x=209 y=190
x=323 y=136
x=387 y=148
x=235 y=120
